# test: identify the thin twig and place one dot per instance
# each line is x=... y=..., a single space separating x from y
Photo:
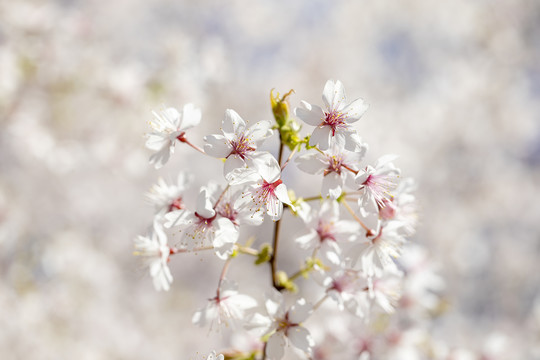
x=369 y=232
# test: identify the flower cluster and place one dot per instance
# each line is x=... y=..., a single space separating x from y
x=355 y=227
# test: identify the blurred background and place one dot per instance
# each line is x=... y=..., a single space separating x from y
x=453 y=88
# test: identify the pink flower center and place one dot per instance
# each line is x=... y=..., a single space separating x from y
x=334 y=164
x=379 y=186
x=241 y=147
x=335 y=119
x=267 y=190
x=228 y=211
x=177 y=204
x=324 y=230
x=204 y=222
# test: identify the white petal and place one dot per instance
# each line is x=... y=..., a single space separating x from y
x=274 y=303
x=243 y=175
x=353 y=141
x=259 y=324
x=329 y=210
x=321 y=136
x=156 y=141
x=191 y=116
x=312 y=162
x=204 y=206
x=331 y=185
x=232 y=124
x=260 y=160
x=331 y=251
x=232 y=164
x=177 y=218
x=334 y=95
x=301 y=338
x=355 y=110
x=282 y=195
x=259 y=132
x=161 y=157
x=311 y=114
x=308 y=240
x=275 y=347
x=274 y=208
x=300 y=311
x=217 y=146
x=270 y=170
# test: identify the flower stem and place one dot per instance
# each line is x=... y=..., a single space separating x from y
x=313 y=198
x=319 y=303
x=182 y=138
x=221 y=196
x=289 y=158
x=222 y=276
x=275 y=242
x=369 y=232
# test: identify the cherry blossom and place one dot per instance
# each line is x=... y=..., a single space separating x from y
x=155 y=251
x=385 y=290
x=170 y=125
x=165 y=197
x=227 y=307
x=334 y=123
x=204 y=227
x=266 y=189
x=327 y=230
x=283 y=325
x=238 y=209
x=214 y=356
x=377 y=182
x=347 y=287
x=238 y=144
x=336 y=165
x=376 y=254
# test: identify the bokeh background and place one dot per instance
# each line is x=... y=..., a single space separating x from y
x=453 y=88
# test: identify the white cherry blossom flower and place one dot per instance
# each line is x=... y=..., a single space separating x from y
x=238 y=209
x=169 y=125
x=377 y=182
x=336 y=165
x=168 y=197
x=204 y=227
x=266 y=190
x=377 y=253
x=401 y=206
x=227 y=307
x=347 y=287
x=326 y=231
x=156 y=253
x=283 y=325
x=238 y=144
x=386 y=290
x=334 y=123
x=214 y=356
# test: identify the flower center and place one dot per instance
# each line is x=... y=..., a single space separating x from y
x=177 y=204
x=228 y=211
x=241 y=147
x=334 y=119
x=205 y=222
x=334 y=165
x=379 y=186
x=324 y=230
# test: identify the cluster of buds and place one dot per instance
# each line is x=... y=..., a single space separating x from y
x=355 y=227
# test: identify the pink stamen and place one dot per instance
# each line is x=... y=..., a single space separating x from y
x=334 y=119
x=241 y=147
